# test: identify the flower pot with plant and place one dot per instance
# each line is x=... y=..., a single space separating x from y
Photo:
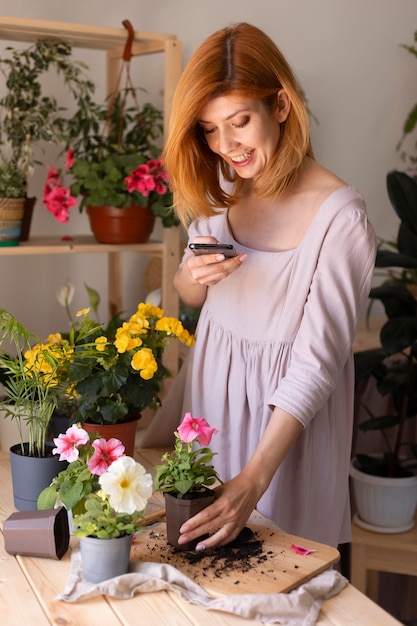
x=394 y=365
x=30 y=117
x=107 y=493
x=186 y=476
x=113 y=160
x=33 y=375
x=123 y=372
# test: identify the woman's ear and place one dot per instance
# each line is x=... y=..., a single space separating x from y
x=283 y=106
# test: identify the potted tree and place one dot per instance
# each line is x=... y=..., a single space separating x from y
x=30 y=116
x=394 y=368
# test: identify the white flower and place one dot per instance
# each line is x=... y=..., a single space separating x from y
x=127 y=485
x=65 y=294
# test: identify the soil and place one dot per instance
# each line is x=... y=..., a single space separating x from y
x=241 y=555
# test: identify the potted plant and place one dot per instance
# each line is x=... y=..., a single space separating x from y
x=30 y=116
x=107 y=493
x=33 y=375
x=394 y=364
x=411 y=119
x=122 y=375
x=114 y=163
x=186 y=475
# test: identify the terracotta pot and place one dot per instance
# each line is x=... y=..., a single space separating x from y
x=103 y=559
x=179 y=510
x=132 y=224
x=125 y=431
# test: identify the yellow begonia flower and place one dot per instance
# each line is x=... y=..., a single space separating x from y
x=101 y=343
x=124 y=340
x=148 y=310
x=173 y=326
x=144 y=362
x=83 y=312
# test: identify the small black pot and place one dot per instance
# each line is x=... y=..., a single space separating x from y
x=179 y=510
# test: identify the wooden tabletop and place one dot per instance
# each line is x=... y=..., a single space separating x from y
x=28 y=587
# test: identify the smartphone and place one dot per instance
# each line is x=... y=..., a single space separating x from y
x=213 y=248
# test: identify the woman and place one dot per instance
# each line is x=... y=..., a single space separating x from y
x=272 y=368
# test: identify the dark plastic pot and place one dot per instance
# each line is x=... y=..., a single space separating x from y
x=179 y=510
x=37 y=533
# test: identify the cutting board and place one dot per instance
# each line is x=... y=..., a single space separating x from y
x=265 y=564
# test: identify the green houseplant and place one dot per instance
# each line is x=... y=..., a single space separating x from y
x=33 y=376
x=29 y=115
x=113 y=160
x=122 y=374
x=186 y=475
x=393 y=365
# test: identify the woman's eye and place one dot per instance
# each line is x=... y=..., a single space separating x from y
x=242 y=124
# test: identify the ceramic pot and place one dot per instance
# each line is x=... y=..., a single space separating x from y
x=132 y=224
x=124 y=431
x=30 y=475
x=103 y=559
x=385 y=505
x=179 y=510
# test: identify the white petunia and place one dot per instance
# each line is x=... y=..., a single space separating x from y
x=127 y=485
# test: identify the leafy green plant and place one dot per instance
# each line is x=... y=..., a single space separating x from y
x=186 y=471
x=29 y=115
x=394 y=364
x=33 y=376
x=106 y=491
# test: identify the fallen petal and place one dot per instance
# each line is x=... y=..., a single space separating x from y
x=301 y=550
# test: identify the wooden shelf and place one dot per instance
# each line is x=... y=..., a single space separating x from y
x=111 y=41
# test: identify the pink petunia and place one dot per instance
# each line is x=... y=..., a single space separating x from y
x=196 y=428
x=67 y=443
x=105 y=452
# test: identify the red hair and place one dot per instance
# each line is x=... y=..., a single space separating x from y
x=243 y=60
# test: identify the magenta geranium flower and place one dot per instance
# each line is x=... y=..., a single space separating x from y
x=67 y=443
x=148 y=177
x=196 y=428
x=105 y=452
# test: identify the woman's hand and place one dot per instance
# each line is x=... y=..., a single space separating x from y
x=209 y=269
x=225 y=518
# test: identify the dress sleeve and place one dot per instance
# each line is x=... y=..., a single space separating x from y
x=336 y=300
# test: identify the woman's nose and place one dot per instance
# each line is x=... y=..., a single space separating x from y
x=226 y=142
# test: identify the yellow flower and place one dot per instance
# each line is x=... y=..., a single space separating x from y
x=83 y=312
x=148 y=310
x=124 y=340
x=101 y=343
x=144 y=362
x=172 y=326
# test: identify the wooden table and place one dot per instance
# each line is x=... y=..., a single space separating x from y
x=29 y=585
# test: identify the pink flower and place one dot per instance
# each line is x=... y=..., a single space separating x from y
x=58 y=200
x=67 y=443
x=148 y=177
x=105 y=452
x=69 y=159
x=301 y=550
x=196 y=428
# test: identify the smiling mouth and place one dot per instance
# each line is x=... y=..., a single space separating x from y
x=242 y=157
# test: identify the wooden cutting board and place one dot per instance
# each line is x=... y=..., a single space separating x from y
x=265 y=564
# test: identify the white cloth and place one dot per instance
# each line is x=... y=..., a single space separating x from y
x=300 y=607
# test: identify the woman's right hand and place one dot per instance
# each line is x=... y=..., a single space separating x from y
x=210 y=269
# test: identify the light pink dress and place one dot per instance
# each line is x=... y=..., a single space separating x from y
x=279 y=332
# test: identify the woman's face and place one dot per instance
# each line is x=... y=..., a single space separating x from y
x=243 y=131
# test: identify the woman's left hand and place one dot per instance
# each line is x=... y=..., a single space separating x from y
x=224 y=519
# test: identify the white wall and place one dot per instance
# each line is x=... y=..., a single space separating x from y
x=347 y=54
